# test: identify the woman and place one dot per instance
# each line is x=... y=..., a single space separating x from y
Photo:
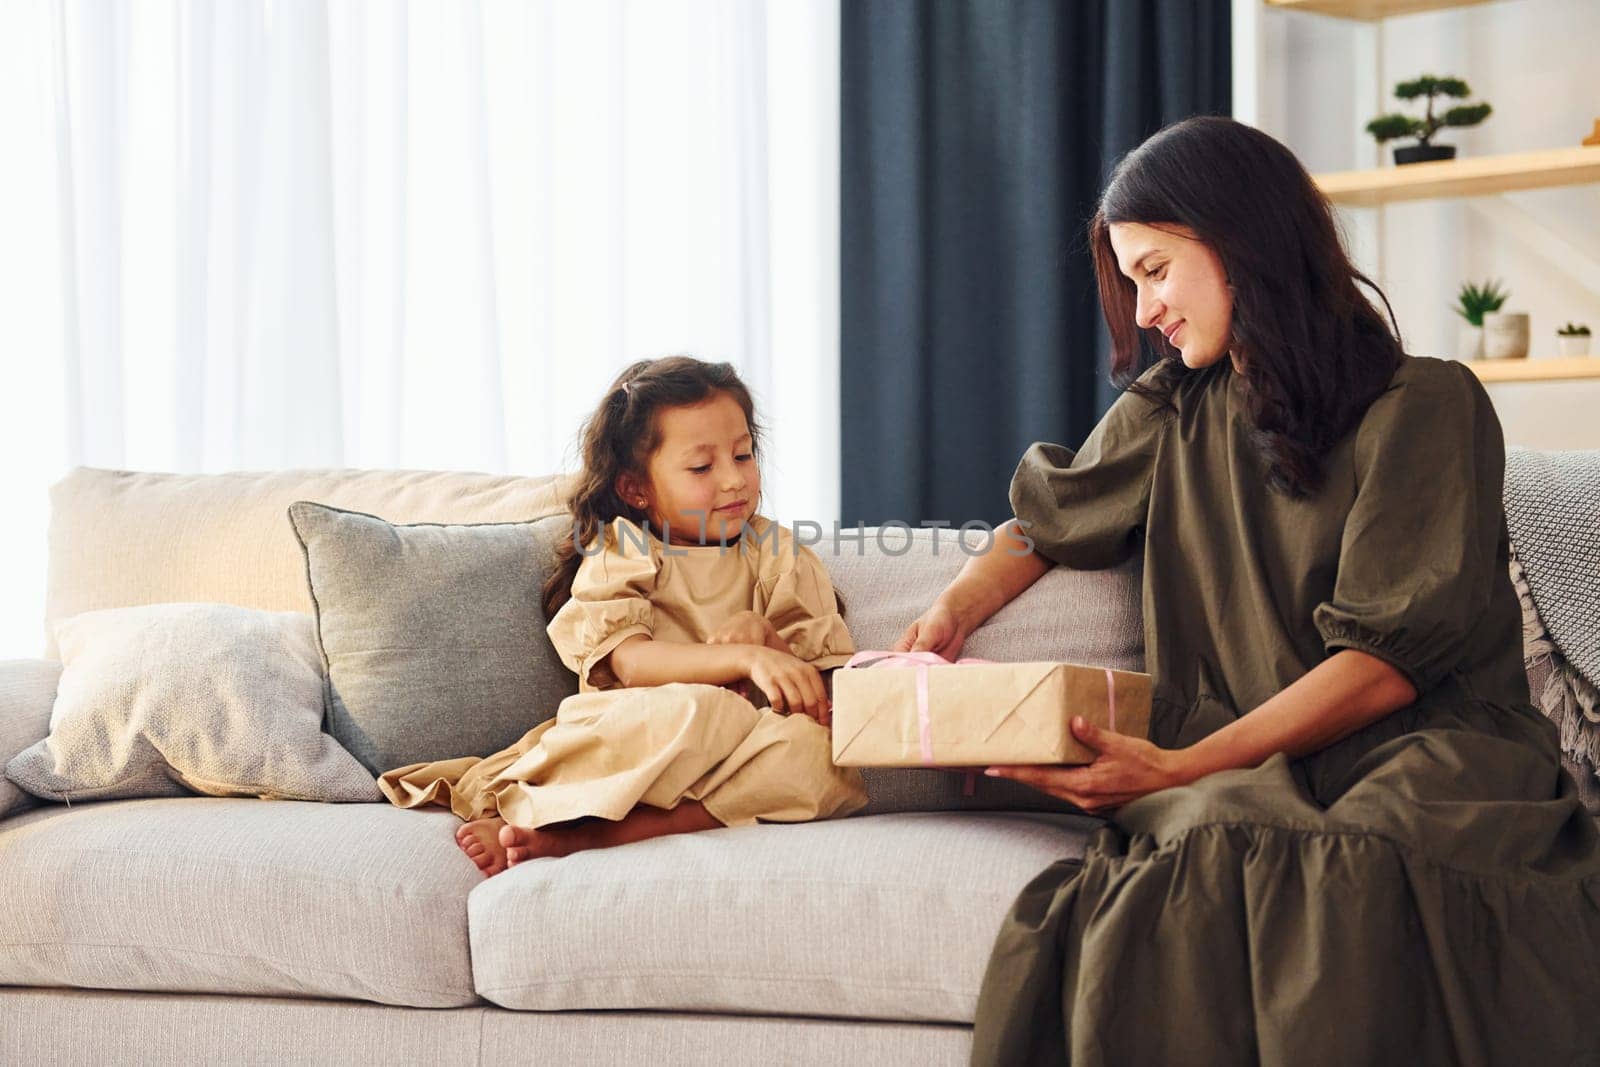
x=1349 y=838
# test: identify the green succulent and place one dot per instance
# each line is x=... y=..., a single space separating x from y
x=1474 y=301
x=1393 y=126
x=1571 y=330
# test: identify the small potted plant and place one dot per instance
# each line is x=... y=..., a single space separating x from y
x=1472 y=303
x=1390 y=127
x=1573 y=339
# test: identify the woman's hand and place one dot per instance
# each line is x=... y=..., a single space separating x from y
x=939 y=630
x=1124 y=769
x=988 y=581
x=745 y=628
x=791 y=684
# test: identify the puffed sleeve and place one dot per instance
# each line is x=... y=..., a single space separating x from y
x=1418 y=558
x=802 y=608
x=610 y=603
x=1086 y=509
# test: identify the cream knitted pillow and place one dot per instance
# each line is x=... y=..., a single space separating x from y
x=166 y=699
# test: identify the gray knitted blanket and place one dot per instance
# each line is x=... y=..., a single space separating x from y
x=1552 y=502
x=1553 y=513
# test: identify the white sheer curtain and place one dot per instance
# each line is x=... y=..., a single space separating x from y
x=271 y=233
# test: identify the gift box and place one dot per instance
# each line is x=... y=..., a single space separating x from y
x=915 y=709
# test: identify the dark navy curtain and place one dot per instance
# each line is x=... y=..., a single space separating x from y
x=975 y=139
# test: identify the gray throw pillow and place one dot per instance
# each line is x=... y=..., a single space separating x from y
x=432 y=635
x=891 y=575
x=27 y=693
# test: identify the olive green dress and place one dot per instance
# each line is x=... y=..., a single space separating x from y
x=1424 y=891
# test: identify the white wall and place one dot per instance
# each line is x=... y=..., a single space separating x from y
x=1320 y=80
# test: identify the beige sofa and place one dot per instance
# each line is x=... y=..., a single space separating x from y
x=246 y=931
x=222 y=930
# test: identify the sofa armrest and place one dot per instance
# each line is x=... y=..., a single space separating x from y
x=27 y=693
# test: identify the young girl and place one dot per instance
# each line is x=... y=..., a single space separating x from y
x=672 y=598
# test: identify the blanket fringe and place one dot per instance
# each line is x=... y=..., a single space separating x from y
x=1566 y=697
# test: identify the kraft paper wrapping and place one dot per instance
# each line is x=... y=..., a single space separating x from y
x=978 y=713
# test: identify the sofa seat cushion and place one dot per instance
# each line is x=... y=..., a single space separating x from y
x=881 y=917
x=210 y=895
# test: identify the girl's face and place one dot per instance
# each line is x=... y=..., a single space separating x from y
x=703 y=479
x=1182 y=289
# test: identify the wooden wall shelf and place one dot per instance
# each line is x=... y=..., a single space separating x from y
x=1369 y=10
x=1480 y=176
x=1536 y=370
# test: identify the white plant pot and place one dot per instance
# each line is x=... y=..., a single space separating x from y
x=1469 y=342
x=1570 y=345
x=1505 y=335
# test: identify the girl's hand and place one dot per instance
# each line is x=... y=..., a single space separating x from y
x=938 y=630
x=745 y=628
x=791 y=684
x=1124 y=769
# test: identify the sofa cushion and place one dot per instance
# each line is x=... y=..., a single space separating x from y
x=271 y=898
x=891 y=575
x=27 y=693
x=120 y=538
x=887 y=917
x=433 y=635
x=165 y=699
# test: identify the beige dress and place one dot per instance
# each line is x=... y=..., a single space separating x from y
x=611 y=748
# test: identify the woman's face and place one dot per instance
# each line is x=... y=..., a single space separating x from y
x=1182 y=289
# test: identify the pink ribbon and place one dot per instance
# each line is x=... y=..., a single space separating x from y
x=1111 y=700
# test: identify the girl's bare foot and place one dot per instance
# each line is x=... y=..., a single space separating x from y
x=640 y=824
x=480 y=840
x=563 y=839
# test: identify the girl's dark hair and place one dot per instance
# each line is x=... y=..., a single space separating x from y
x=620 y=437
x=1314 y=349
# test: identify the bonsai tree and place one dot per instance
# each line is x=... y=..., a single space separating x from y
x=1570 y=330
x=1393 y=126
x=1474 y=301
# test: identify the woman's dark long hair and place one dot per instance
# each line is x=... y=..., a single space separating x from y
x=620 y=437
x=1315 y=350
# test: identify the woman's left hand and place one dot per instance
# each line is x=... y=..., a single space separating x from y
x=1124 y=769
